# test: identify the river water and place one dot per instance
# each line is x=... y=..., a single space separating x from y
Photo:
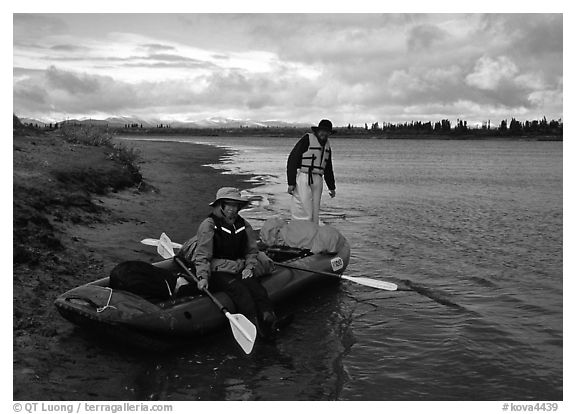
x=475 y=227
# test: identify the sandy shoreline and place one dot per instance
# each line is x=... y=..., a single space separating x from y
x=53 y=360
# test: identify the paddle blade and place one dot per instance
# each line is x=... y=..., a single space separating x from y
x=150 y=242
x=165 y=247
x=155 y=242
x=243 y=330
x=377 y=284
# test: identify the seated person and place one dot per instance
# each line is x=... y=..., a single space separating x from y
x=225 y=258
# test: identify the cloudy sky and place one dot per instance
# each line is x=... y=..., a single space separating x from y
x=351 y=68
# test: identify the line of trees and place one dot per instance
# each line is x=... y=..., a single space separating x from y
x=461 y=127
x=41 y=126
x=443 y=128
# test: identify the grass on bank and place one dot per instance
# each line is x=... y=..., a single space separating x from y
x=63 y=191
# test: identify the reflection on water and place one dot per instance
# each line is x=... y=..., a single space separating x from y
x=474 y=227
x=305 y=363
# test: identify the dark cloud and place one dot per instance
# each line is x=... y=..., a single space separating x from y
x=193 y=64
x=68 y=48
x=68 y=92
x=61 y=91
x=172 y=58
x=156 y=47
x=29 y=28
x=20 y=71
x=74 y=83
x=165 y=60
x=150 y=60
x=85 y=58
x=424 y=36
x=29 y=98
x=535 y=40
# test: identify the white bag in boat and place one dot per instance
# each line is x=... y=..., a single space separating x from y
x=301 y=234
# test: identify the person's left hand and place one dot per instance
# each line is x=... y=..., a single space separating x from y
x=247 y=273
x=332 y=193
x=202 y=284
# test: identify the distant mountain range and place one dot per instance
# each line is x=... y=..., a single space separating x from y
x=213 y=122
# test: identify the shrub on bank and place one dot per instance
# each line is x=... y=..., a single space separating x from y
x=98 y=136
x=128 y=156
x=86 y=134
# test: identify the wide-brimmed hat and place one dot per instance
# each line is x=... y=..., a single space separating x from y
x=326 y=125
x=230 y=193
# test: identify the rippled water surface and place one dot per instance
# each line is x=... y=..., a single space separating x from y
x=474 y=227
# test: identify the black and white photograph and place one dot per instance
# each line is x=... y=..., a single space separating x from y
x=310 y=206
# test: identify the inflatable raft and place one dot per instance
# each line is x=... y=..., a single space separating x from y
x=129 y=317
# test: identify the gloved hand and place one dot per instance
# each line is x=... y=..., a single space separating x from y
x=247 y=273
x=291 y=189
x=202 y=284
x=332 y=193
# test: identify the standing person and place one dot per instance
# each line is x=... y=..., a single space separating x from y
x=309 y=160
x=226 y=257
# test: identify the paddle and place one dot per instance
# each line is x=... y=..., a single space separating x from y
x=243 y=330
x=364 y=281
x=154 y=242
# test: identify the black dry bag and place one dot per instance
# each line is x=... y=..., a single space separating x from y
x=143 y=279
